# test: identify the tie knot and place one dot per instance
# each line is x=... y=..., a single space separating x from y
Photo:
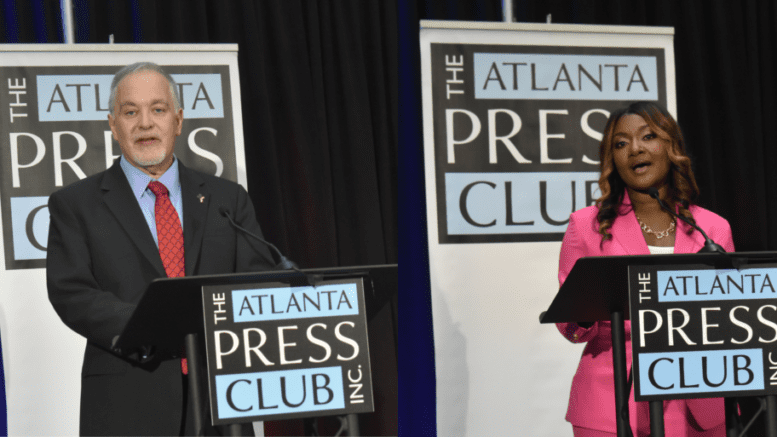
x=157 y=188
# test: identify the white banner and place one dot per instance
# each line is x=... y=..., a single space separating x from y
x=513 y=115
x=54 y=131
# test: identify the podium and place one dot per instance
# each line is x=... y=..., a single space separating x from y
x=599 y=289
x=170 y=314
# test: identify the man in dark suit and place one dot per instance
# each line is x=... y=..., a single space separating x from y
x=108 y=241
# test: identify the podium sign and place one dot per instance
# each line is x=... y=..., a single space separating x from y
x=277 y=351
x=698 y=332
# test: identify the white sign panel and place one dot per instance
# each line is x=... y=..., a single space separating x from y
x=513 y=116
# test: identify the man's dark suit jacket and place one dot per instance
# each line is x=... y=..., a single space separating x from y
x=102 y=256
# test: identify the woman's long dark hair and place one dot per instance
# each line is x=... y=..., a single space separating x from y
x=683 y=190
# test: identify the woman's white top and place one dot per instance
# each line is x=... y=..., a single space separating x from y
x=661 y=250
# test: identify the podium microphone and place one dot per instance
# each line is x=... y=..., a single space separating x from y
x=709 y=245
x=283 y=264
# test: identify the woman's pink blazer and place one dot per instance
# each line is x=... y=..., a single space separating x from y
x=592 y=401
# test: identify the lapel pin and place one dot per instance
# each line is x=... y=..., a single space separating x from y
x=201 y=197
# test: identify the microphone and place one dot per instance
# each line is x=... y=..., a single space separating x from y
x=709 y=245
x=284 y=263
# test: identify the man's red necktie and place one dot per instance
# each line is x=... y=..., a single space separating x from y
x=170 y=237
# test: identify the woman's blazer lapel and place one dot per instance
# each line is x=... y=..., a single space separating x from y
x=627 y=237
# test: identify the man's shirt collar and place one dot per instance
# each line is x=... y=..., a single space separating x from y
x=139 y=180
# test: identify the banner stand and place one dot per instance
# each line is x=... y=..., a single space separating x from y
x=513 y=114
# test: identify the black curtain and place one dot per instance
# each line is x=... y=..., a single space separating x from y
x=318 y=83
x=725 y=74
x=417 y=397
x=30 y=21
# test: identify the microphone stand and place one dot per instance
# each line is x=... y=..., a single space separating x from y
x=709 y=245
x=283 y=263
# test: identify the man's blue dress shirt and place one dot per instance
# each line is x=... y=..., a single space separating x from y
x=139 y=181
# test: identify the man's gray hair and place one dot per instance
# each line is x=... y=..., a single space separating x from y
x=136 y=68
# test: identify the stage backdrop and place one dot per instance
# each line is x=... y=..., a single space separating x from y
x=53 y=132
x=513 y=115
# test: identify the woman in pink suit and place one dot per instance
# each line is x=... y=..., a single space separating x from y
x=642 y=147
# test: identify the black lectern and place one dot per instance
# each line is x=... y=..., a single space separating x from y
x=597 y=289
x=170 y=314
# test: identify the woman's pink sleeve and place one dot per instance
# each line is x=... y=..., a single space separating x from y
x=573 y=247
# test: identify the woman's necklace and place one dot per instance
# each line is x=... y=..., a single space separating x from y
x=659 y=235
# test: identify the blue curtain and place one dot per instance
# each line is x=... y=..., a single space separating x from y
x=417 y=397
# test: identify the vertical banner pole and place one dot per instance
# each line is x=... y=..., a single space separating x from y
x=67 y=21
x=507 y=11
